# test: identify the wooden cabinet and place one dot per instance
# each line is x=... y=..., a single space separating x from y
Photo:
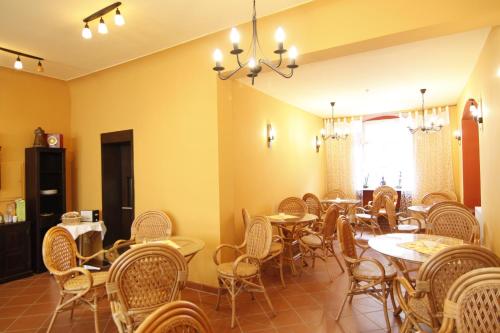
x=15 y=252
x=45 y=195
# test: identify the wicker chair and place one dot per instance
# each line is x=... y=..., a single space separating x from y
x=397 y=221
x=424 y=303
x=334 y=194
x=313 y=204
x=293 y=206
x=386 y=190
x=321 y=241
x=243 y=274
x=452 y=220
x=473 y=303
x=368 y=216
x=76 y=285
x=176 y=317
x=149 y=225
x=143 y=279
x=435 y=197
x=366 y=275
x=275 y=256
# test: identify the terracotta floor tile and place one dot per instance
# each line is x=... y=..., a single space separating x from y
x=28 y=323
x=286 y=318
x=5 y=323
x=255 y=322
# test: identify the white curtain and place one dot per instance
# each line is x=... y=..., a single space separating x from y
x=343 y=158
x=433 y=163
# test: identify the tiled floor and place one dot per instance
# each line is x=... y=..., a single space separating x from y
x=308 y=304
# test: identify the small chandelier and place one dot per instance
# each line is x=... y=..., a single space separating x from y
x=330 y=132
x=102 y=28
x=254 y=64
x=434 y=124
x=18 y=64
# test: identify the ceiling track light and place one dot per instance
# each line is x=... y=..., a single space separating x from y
x=18 y=64
x=102 y=27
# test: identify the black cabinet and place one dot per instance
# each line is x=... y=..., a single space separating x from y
x=45 y=195
x=15 y=253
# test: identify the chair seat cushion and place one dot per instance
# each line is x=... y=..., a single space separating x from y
x=80 y=282
x=276 y=247
x=420 y=307
x=363 y=216
x=367 y=269
x=312 y=240
x=244 y=269
x=407 y=227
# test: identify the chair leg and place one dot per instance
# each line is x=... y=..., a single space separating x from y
x=233 y=302
x=72 y=310
x=268 y=300
x=342 y=307
x=384 y=303
x=280 y=263
x=54 y=315
x=95 y=309
x=219 y=292
x=405 y=325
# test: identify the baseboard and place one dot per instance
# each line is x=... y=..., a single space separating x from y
x=201 y=287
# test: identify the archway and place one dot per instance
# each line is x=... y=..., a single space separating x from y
x=470 y=158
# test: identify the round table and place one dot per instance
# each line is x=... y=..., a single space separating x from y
x=288 y=225
x=389 y=245
x=345 y=204
x=187 y=246
x=420 y=209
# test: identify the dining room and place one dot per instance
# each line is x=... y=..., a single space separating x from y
x=301 y=166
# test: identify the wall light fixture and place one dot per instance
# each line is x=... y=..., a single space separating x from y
x=271 y=135
x=458 y=136
x=318 y=144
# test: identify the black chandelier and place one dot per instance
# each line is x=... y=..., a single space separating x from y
x=254 y=64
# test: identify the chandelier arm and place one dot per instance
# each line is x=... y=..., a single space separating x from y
x=228 y=76
x=239 y=61
x=275 y=69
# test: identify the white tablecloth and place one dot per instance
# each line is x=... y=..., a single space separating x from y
x=77 y=230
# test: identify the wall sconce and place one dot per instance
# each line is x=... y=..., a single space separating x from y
x=458 y=136
x=318 y=144
x=476 y=112
x=271 y=135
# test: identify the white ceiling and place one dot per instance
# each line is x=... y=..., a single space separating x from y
x=52 y=29
x=383 y=80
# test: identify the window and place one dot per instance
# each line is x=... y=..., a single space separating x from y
x=387 y=150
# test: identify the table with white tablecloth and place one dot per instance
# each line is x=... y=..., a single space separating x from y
x=86 y=234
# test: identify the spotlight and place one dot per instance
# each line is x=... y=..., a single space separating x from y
x=86 y=33
x=102 y=28
x=39 y=67
x=18 y=64
x=119 y=20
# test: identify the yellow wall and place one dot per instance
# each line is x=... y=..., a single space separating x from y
x=484 y=86
x=26 y=102
x=263 y=176
x=178 y=109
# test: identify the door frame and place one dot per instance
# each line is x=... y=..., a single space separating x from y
x=125 y=136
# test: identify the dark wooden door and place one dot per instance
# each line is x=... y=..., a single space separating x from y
x=117 y=184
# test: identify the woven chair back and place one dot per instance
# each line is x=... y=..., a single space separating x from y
x=313 y=204
x=437 y=274
x=246 y=217
x=436 y=197
x=334 y=194
x=453 y=221
x=386 y=190
x=330 y=222
x=151 y=225
x=59 y=252
x=293 y=206
x=390 y=210
x=258 y=237
x=473 y=303
x=447 y=203
x=145 y=278
x=346 y=238
x=176 y=317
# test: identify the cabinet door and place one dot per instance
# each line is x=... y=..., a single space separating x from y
x=17 y=249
